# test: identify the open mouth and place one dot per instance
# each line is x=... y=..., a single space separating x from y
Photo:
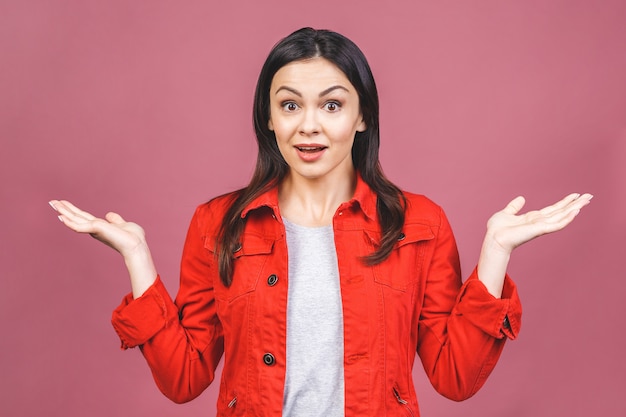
x=310 y=149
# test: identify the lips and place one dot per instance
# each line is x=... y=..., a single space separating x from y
x=310 y=149
x=310 y=152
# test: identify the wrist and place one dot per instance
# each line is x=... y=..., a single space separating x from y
x=494 y=246
x=135 y=248
x=492 y=265
x=141 y=269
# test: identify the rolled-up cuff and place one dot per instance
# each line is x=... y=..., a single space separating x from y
x=137 y=320
x=497 y=317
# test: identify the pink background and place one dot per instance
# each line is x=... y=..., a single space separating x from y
x=145 y=108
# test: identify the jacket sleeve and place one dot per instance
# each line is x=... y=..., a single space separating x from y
x=182 y=341
x=462 y=328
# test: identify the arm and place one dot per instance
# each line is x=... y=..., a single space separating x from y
x=462 y=328
x=507 y=230
x=461 y=332
x=182 y=342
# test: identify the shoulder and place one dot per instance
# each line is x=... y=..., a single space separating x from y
x=208 y=216
x=421 y=209
x=219 y=204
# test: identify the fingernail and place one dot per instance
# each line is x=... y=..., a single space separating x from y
x=60 y=219
x=52 y=205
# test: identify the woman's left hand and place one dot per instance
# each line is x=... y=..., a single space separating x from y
x=507 y=230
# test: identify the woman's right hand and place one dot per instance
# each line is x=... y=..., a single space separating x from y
x=127 y=238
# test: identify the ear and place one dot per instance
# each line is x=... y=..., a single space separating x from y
x=270 y=125
x=362 y=127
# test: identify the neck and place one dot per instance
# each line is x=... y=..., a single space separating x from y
x=313 y=202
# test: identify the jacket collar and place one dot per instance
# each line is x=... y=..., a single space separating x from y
x=364 y=198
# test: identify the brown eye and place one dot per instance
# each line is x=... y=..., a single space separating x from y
x=332 y=106
x=290 y=106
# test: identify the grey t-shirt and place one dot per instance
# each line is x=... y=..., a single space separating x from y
x=314 y=383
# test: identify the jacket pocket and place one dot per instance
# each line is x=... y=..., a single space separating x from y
x=404 y=265
x=403 y=403
x=228 y=404
x=249 y=259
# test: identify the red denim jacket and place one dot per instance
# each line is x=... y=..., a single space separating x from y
x=413 y=302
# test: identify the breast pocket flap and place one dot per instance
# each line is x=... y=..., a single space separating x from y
x=404 y=265
x=250 y=244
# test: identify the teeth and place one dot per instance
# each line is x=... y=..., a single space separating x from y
x=309 y=148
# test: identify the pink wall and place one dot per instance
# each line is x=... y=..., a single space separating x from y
x=144 y=108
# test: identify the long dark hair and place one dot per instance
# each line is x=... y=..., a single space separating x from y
x=271 y=168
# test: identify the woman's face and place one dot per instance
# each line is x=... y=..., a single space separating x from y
x=315 y=114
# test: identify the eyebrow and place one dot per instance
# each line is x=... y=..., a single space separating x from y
x=322 y=94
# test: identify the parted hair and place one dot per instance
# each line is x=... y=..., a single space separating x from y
x=271 y=168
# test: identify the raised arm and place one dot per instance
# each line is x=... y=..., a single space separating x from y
x=127 y=238
x=182 y=342
x=507 y=230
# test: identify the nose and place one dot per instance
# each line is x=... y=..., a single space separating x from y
x=309 y=125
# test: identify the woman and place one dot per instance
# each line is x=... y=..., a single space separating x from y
x=372 y=275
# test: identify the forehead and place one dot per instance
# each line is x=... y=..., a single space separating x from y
x=310 y=72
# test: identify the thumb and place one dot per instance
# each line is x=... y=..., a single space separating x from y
x=515 y=205
x=114 y=218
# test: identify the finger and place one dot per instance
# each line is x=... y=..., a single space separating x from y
x=114 y=218
x=561 y=204
x=53 y=204
x=584 y=199
x=573 y=208
x=579 y=203
x=559 y=221
x=558 y=210
x=68 y=209
x=515 y=205
x=79 y=224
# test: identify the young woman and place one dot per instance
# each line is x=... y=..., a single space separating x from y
x=321 y=280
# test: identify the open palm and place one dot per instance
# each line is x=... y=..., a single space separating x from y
x=113 y=230
x=510 y=229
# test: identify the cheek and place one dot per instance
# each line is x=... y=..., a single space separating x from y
x=283 y=128
x=280 y=134
x=283 y=138
x=343 y=131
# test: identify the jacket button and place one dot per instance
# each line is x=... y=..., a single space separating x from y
x=272 y=280
x=268 y=359
x=401 y=237
x=237 y=247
